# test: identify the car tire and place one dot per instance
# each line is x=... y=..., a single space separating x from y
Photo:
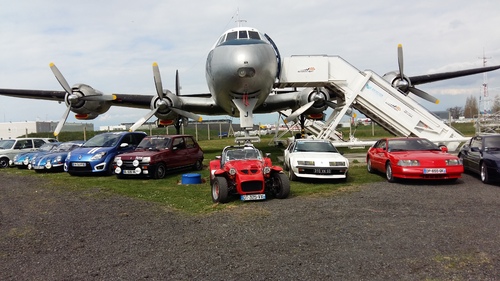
x=281 y=186
x=285 y=167
x=198 y=166
x=484 y=173
x=4 y=162
x=291 y=174
x=369 y=166
x=160 y=171
x=220 y=190
x=388 y=173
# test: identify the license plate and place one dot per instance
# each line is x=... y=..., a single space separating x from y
x=253 y=197
x=78 y=164
x=321 y=171
x=129 y=172
x=435 y=171
x=38 y=167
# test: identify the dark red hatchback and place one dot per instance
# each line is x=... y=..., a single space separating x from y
x=156 y=155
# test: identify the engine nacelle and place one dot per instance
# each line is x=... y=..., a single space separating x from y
x=164 y=105
x=319 y=96
x=403 y=84
x=83 y=107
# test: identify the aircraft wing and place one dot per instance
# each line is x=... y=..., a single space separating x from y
x=422 y=79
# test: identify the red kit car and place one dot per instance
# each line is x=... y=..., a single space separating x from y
x=413 y=158
x=244 y=171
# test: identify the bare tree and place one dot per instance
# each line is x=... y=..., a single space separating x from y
x=496 y=105
x=455 y=112
x=471 y=108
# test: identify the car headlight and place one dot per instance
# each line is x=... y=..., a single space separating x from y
x=15 y=158
x=408 y=163
x=337 y=163
x=232 y=171
x=306 y=163
x=58 y=159
x=69 y=155
x=267 y=170
x=98 y=156
x=453 y=162
x=118 y=161
x=146 y=159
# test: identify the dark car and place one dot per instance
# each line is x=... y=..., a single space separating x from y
x=481 y=155
x=244 y=171
x=97 y=154
x=155 y=155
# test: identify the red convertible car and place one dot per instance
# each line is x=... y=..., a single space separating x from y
x=413 y=158
x=244 y=171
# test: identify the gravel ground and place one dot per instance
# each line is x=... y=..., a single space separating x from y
x=404 y=231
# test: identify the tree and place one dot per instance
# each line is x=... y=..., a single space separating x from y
x=455 y=112
x=496 y=105
x=471 y=108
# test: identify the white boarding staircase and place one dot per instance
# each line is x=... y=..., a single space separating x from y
x=368 y=93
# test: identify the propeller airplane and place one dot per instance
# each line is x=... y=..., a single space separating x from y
x=243 y=76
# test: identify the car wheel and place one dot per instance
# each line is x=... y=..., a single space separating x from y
x=160 y=171
x=198 y=166
x=369 y=166
x=4 y=162
x=388 y=173
x=291 y=175
x=281 y=186
x=484 y=173
x=220 y=190
x=285 y=167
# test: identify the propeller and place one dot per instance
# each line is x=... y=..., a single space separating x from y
x=72 y=98
x=316 y=97
x=162 y=102
x=403 y=83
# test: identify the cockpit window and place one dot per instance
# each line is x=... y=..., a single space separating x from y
x=242 y=34
x=221 y=39
x=231 y=36
x=253 y=35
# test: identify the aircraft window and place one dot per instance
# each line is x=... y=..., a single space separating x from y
x=253 y=35
x=231 y=36
x=221 y=39
x=242 y=34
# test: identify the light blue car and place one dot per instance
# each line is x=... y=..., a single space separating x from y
x=96 y=156
x=23 y=160
x=54 y=160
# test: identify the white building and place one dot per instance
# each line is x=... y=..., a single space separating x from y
x=12 y=130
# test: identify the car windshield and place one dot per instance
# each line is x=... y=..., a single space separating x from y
x=492 y=143
x=103 y=140
x=6 y=144
x=154 y=143
x=67 y=146
x=411 y=144
x=47 y=147
x=243 y=154
x=315 y=146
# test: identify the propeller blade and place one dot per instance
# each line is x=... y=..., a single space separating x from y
x=298 y=112
x=177 y=85
x=400 y=60
x=60 y=78
x=157 y=77
x=331 y=104
x=142 y=120
x=187 y=114
x=62 y=121
x=424 y=95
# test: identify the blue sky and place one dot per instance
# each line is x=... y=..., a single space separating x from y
x=111 y=45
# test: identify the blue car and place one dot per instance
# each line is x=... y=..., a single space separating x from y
x=23 y=160
x=54 y=160
x=95 y=157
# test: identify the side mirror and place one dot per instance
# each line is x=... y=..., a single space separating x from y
x=268 y=154
x=123 y=145
x=474 y=149
x=218 y=157
x=443 y=148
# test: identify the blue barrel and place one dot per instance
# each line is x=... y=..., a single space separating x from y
x=191 y=179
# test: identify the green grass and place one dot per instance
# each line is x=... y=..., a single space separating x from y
x=194 y=198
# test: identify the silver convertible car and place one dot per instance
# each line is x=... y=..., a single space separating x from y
x=317 y=159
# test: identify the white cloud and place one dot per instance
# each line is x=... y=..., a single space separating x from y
x=112 y=44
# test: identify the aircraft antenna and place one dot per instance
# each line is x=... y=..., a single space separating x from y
x=238 y=21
